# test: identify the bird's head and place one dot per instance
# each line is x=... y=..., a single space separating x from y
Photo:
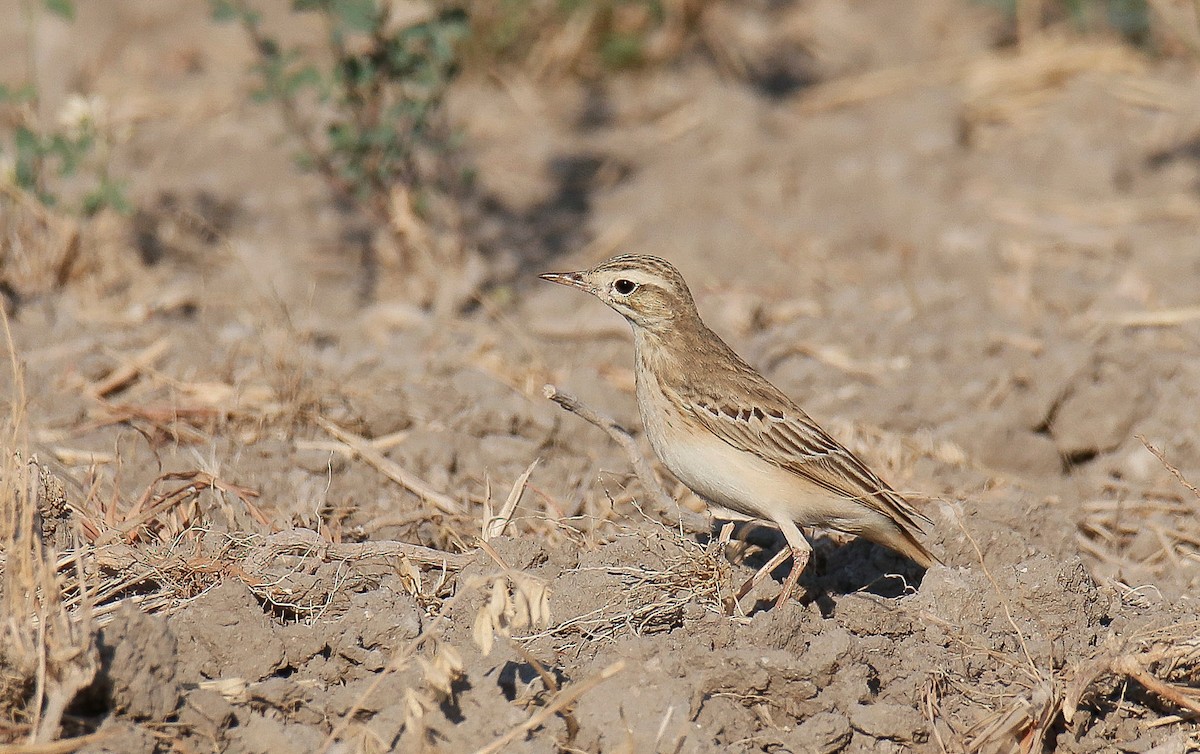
x=646 y=290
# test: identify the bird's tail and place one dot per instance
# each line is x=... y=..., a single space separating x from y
x=903 y=541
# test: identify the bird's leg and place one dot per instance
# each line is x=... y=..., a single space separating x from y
x=762 y=573
x=799 y=561
x=800 y=551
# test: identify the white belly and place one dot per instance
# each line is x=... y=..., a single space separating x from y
x=729 y=477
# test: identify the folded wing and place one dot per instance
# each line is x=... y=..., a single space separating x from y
x=790 y=439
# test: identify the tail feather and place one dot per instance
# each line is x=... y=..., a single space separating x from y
x=903 y=541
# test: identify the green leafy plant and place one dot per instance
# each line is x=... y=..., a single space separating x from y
x=590 y=37
x=1130 y=18
x=40 y=158
x=365 y=108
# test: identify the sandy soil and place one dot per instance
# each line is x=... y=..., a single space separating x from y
x=977 y=268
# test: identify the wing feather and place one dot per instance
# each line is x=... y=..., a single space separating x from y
x=790 y=439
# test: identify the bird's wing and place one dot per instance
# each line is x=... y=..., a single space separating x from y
x=787 y=437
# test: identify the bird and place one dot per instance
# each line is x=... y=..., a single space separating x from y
x=733 y=438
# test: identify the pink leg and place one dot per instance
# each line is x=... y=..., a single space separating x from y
x=799 y=561
x=762 y=573
x=798 y=549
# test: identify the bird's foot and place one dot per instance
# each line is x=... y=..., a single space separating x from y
x=799 y=560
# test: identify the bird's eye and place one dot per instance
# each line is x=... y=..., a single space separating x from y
x=624 y=287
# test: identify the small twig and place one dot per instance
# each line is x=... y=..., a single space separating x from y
x=64 y=746
x=568 y=332
x=120 y=377
x=536 y=664
x=551 y=684
x=392 y=470
x=1133 y=666
x=849 y=91
x=496 y=557
x=495 y=525
x=382 y=443
x=832 y=356
x=1174 y=471
x=1186 y=717
x=1129 y=665
x=692 y=522
x=1159 y=318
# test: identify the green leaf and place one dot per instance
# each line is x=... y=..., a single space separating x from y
x=355 y=15
x=621 y=50
x=108 y=194
x=68 y=152
x=24 y=173
x=223 y=11
x=64 y=9
x=305 y=161
x=306 y=77
x=1131 y=18
x=357 y=72
x=26 y=93
x=27 y=142
x=343 y=138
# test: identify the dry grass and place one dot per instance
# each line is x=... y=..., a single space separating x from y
x=39 y=249
x=48 y=651
x=999 y=88
x=186 y=531
x=1004 y=89
x=1145 y=536
x=1163 y=660
x=1014 y=707
x=69 y=562
x=1149 y=536
x=648 y=597
x=43 y=250
x=159 y=553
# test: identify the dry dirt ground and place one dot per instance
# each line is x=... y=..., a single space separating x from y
x=976 y=265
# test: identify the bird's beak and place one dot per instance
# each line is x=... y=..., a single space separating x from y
x=573 y=279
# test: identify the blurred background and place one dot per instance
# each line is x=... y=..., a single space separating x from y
x=962 y=234
x=969 y=221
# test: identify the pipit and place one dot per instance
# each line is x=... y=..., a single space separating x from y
x=730 y=435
